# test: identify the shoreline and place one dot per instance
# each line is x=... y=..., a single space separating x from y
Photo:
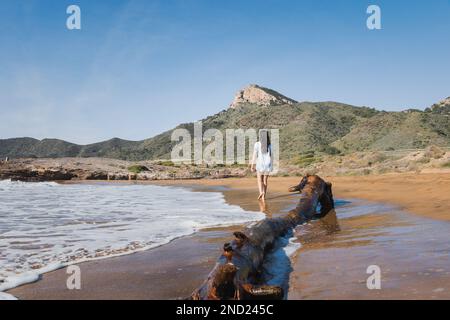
x=205 y=245
x=131 y=276
x=33 y=277
x=424 y=194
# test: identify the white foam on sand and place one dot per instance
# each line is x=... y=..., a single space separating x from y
x=46 y=226
x=5 y=296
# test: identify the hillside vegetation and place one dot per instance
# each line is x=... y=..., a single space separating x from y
x=327 y=128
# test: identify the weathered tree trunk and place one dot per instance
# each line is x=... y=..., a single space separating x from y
x=236 y=273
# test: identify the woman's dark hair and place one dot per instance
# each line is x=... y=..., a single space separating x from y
x=265 y=140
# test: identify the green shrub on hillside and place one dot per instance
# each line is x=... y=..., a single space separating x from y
x=306 y=159
x=330 y=150
x=167 y=163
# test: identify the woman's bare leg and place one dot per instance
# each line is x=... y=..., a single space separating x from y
x=259 y=177
x=265 y=180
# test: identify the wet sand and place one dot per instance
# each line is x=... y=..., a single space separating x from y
x=171 y=271
x=412 y=250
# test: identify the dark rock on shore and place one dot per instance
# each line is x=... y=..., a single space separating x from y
x=37 y=170
x=27 y=175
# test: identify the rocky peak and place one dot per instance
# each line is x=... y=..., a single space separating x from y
x=445 y=102
x=442 y=107
x=261 y=96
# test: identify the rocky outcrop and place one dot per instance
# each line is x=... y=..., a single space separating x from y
x=28 y=175
x=255 y=94
x=442 y=107
x=38 y=170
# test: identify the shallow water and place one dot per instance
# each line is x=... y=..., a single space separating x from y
x=412 y=253
x=44 y=226
x=277 y=266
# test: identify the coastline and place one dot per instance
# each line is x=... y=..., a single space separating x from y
x=187 y=259
x=424 y=194
x=171 y=271
x=157 y=273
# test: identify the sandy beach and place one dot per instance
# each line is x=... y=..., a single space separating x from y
x=426 y=194
x=405 y=233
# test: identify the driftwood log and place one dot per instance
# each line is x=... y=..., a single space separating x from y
x=237 y=272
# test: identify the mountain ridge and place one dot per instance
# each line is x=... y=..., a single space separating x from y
x=329 y=127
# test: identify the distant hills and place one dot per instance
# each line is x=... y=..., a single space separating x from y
x=54 y=148
x=327 y=127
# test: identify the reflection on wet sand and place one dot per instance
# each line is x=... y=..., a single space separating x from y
x=263 y=207
x=275 y=203
x=412 y=253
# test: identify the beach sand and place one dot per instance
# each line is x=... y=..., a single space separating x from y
x=427 y=195
x=331 y=263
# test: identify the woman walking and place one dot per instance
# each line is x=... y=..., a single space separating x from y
x=262 y=159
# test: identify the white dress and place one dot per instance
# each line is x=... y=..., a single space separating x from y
x=263 y=160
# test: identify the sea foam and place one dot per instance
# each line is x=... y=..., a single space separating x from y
x=46 y=226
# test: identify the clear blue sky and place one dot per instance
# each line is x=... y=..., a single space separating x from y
x=138 y=68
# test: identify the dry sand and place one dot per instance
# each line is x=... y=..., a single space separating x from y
x=174 y=270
